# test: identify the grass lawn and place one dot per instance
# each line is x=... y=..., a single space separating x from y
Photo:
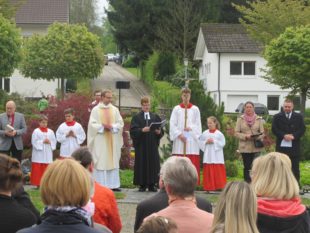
x=127 y=178
x=134 y=71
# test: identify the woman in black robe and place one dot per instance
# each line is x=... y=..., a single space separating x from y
x=146 y=137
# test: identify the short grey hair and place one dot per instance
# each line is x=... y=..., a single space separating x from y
x=180 y=175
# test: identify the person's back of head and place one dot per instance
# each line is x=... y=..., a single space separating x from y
x=83 y=156
x=10 y=173
x=272 y=177
x=180 y=176
x=236 y=209
x=158 y=224
x=65 y=183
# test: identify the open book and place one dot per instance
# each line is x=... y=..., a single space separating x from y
x=9 y=128
x=157 y=125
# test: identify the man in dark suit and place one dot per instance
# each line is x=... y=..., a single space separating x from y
x=288 y=127
x=12 y=127
x=160 y=201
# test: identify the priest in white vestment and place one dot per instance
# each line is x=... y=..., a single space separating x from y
x=185 y=130
x=104 y=140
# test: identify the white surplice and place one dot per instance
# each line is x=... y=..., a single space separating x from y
x=105 y=145
x=42 y=152
x=70 y=144
x=213 y=153
x=177 y=121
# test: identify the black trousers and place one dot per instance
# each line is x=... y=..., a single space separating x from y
x=295 y=167
x=248 y=159
x=17 y=154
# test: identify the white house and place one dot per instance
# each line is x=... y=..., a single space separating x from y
x=231 y=66
x=34 y=17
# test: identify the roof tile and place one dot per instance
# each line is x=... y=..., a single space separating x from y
x=228 y=38
x=42 y=12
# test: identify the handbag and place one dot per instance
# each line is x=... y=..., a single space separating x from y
x=258 y=143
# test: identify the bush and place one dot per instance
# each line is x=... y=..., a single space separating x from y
x=131 y=62
x=166 y=93
x=126 y=160
x=230 y=149
x=148 y=69
x=165 y=65
x=56 y=115
x=305 y=144
x=205 y=103
x=231 y=168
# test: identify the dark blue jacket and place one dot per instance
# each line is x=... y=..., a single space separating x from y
x=59 y=222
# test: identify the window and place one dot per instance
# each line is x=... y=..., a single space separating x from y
x=235 y=68
x=7 y=85
x=249 y=68
x=296 y=102
x=242 y=67
x=273 y=102
x=208 y=68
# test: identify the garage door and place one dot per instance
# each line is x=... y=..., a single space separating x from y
x=234 y=100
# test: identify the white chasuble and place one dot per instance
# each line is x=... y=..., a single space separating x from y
x=105 y=145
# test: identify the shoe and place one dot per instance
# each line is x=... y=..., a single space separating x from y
x=116 y=190
x=152 y=189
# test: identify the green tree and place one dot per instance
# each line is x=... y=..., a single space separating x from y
x=288 y=59
x=179 y=26
x=267 y=19
x=107 y=38
x=66 y=52
x=134 y=24
x=83 y=12
x=8 y=8
x=10 y=43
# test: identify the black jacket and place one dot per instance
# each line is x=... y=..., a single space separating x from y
x=281 y=126
x=59 y=222
x=160 y=201
x=14 y=216
x=272 y=224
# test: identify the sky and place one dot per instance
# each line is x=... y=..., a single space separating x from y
x=101 y=5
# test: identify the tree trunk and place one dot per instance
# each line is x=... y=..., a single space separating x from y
x=303 y=97
x=62 y=84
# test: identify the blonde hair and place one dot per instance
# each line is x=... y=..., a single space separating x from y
x=217 y=123
x=158 y=224
x=236 y=209
x=272 y=177
x=65 y=183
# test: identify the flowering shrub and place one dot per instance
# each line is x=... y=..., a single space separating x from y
x=55 y=115
x=79 y=103
x=126 y=161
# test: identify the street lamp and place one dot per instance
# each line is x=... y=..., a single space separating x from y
x=186 y=66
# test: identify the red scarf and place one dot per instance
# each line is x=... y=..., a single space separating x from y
x=43 y=129
x=70 y=123
x=212 y=130
x=280 y=208
x=182 y=105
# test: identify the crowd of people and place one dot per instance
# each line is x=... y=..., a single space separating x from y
x=77 y=188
